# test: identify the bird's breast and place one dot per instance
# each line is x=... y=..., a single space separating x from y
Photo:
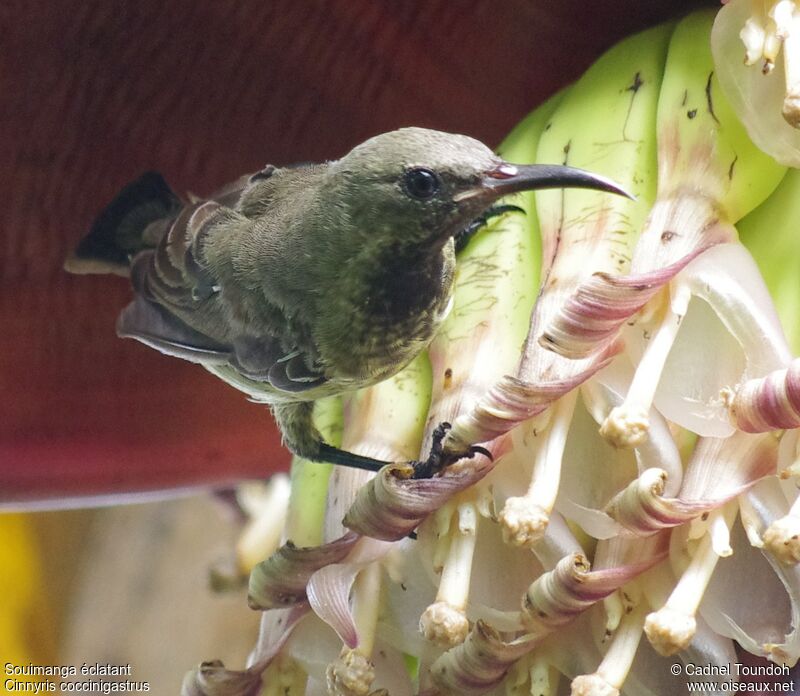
x=393 y=318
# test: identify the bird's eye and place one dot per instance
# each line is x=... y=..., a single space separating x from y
x=421 y=183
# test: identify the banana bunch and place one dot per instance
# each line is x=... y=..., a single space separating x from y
x=624 y=363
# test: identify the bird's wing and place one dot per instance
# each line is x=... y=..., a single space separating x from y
x=179 y=308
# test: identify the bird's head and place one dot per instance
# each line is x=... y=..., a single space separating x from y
x=427 y=186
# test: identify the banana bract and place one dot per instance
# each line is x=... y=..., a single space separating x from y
x=625 y=364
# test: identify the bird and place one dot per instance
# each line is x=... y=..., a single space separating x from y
x=306 y=281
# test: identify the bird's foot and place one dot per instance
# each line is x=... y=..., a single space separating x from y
x=438 y=459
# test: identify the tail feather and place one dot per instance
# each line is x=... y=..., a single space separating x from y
x=121 y=230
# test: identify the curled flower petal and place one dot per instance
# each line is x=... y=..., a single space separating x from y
x=599 y=307
x=768 y=403
x=391 y=505
x=282 y=578
x=595 y=472
x=213 y=679
x=556 y=597
x=719 y=470
x=513 y=400
x=481 y=661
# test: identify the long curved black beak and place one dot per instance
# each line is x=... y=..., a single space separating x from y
x=512 y=178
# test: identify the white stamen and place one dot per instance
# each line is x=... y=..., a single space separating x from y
x=366 y=603
x=752 y=36
x=485 y=503
x=791 y=63
x=467 y=516
x=781 y=13
x=445 y=621
x=772 y=46
x=782 y=537
x=750 y=522
x=614 y=612
x=351 y=674
x=618 y=660
x=532 y=676
x=627 y=424
x=524 y=519
x=720 y=536
x=698 y=527
x=542 y=678
x=672 y=627
x=442 y=520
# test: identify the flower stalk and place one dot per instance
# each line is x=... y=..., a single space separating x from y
x=672 y=627
x=611 y=673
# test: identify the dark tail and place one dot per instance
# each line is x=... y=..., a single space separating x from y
x=121 y=230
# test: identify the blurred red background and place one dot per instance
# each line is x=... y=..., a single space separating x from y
x=92 y=93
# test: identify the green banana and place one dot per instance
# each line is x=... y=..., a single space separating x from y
x=701 y=142
x=770 y=233
x=605 y=124
x=583 y=232
x=710 y=174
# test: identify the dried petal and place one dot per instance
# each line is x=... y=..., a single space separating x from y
x=281 y=579
x=512 y=401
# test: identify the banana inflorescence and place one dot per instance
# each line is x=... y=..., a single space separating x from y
x=631 y=379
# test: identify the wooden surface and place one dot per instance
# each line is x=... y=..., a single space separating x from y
x=94 y=92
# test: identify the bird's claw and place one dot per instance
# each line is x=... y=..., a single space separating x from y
x=438 y=459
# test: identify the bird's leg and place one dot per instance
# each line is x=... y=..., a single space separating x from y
x=438 y=459
x=303 y=439
x=463 y=237
x=334 y=455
